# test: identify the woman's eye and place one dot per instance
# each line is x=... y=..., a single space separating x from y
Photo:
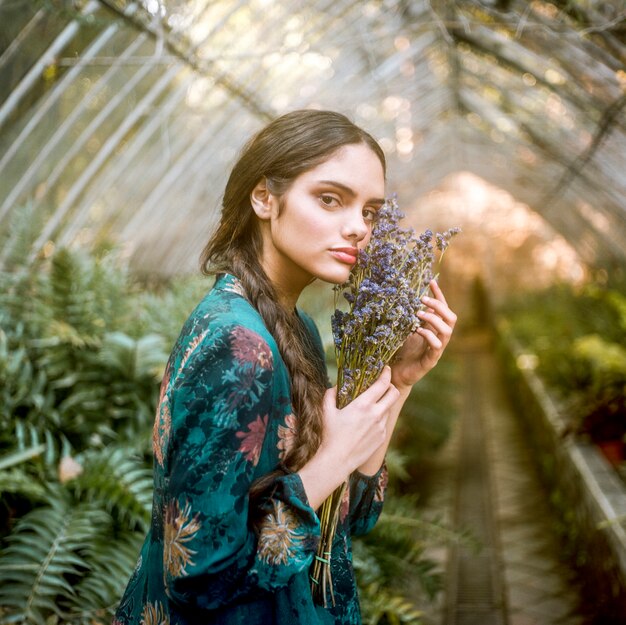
x=328 y=200
x=369 y=214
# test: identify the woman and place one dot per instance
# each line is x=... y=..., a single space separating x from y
x=248 y=441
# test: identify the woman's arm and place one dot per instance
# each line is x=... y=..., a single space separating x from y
x=222 y=401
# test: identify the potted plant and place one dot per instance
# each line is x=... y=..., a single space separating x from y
x=601 y=408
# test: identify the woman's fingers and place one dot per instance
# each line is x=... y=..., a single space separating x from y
x=438 y=320
x=389 y=398
x=431 y=338
x=440 y=308
x=437 y=292
x=435 y=323
x=376 y=391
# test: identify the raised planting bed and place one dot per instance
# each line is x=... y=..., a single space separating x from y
x=585 y=489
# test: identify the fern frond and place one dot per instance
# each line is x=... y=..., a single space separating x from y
x=72 y=298
x=110 y=563
x=119 y=482
x=46 y=439
x=24 y=228
x=381 y=606
x=42 y=558
x=18 y=481
x=134 y=359
x=396 y=463
x=19 y=456
x=433 y=531
x=397 y=546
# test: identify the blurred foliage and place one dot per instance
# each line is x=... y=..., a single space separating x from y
x=576 y=339
x=429 y=413
x=82 y=350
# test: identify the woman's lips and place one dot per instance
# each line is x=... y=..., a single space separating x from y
x=346 y=255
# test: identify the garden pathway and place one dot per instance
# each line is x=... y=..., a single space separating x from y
x=484 y=479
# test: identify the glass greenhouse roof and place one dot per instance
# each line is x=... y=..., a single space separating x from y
x=119 y=120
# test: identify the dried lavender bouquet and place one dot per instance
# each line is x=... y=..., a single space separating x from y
x=384 y=294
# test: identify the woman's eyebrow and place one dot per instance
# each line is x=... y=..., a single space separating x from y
x=351 y=192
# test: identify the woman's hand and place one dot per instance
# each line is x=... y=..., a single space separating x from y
x=423 y=349
x=353 y=433
x=350 y=437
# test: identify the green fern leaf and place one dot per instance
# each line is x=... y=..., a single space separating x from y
x=18 y=481
x=110 y=563
x=17 y=457
x=120 y=483
x=135 y=359
x=43 y=555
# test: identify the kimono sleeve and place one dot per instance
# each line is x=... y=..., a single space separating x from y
x=367 y=494
x=221 y=404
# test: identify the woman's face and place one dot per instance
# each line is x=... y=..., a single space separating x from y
x=316 y=227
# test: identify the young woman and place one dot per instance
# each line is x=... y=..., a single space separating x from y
x=248 y=441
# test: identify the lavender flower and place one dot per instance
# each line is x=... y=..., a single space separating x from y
x=384 y=293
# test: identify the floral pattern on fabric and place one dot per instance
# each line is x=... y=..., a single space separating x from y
x=224 y=420
x=344 y=506
x=381 y=486
x=249 y=347
x=252 y=440
x=278 y=535
x=154 y=614
x=162 y=421
x=191 y=348
x=179 y=529
x=286 y=436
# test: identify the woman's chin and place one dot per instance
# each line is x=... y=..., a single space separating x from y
x=334 y=277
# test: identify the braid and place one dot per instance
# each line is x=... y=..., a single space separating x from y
x=307 y=378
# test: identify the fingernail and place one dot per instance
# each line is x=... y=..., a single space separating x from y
x=426 y=298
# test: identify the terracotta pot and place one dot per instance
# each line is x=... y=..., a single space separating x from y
x=613 y=451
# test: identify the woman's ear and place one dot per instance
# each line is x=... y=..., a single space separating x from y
x=261 y=200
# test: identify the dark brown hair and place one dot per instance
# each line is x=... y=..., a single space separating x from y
x=287 y=147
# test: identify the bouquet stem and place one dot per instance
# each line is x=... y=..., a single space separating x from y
x=321 y=577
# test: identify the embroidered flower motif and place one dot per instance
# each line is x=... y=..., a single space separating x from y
x=193 y=344
x=163 y=419
x=278 y=538
x=381 y=485
x=179 y=529
x=286 y=436
x=161 y=429
x=154 y=614
x=249 y=347
x=138 y=565
x=252 y=441
x=344 y=506
x=235 y=287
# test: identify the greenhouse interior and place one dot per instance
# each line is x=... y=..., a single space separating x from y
x=120 y=122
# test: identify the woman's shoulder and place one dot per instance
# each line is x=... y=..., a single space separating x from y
x=223 y=318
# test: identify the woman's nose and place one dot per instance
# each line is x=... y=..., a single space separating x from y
x=355 y=226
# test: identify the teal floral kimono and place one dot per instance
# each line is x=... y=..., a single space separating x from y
x=224 y=419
